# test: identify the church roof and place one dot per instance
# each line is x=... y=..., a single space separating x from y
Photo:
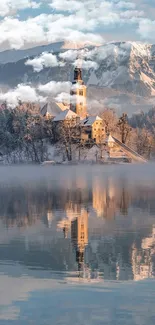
x=43 y=109
x=63 y=106
x=52 y=108
x=88 y=121
x=64 y=115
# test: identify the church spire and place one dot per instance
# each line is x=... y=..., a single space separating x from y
x=77 y=74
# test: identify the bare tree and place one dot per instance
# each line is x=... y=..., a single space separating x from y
x=110 y=120
x=145 y=142
x=124 y=127
x=68 y=136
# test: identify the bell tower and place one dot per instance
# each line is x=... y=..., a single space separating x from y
x=78 y=94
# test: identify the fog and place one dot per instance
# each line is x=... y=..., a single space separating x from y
x=59 y=174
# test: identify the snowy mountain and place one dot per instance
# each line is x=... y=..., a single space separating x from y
x=126 y=66
x=125 y=77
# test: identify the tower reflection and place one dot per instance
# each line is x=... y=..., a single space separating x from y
x=79 y=238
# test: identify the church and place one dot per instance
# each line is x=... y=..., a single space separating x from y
x=76 y=112
x=92 y=128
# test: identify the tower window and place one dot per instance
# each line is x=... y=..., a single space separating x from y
x=81 y=92
x=81 y=104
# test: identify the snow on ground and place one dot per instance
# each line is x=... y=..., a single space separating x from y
x=86 y=155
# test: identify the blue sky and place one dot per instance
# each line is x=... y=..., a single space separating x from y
x=25 y=23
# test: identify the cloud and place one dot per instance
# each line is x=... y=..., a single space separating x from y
x=53 y=88
x=45 y=29
x=22 y=92
x=66 y=97
x=79 y=24
x=125 y=5
x=80 y=37
x=132 y=15
x=81 y=57
x=66 y=5
x=86 y=65
x=19 y=33
x=7 y=6
x=63 y=98
x=146 y=29
x=70 y=21
x=70 y=55
x=45 y=60
x=27 y=93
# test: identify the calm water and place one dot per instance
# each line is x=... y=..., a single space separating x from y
x=77 y=245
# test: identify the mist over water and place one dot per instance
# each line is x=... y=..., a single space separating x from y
x=72 y=226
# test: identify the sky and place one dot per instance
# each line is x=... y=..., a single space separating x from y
x=27 y=23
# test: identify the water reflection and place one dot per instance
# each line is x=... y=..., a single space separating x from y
x=143 y=258
x=90 y=226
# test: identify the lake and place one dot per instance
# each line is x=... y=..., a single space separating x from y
x=77 y=245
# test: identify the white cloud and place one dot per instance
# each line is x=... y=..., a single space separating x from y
x=132 y=15
x=63 y=98
x=70 y=55
x=125 y=5
x=53 y=88
x=66 y=97
x=80 y=37
x=66 y=5
x=146 y=29
x=86 y=65
x=7 y=6
x=45 y=29
x=45 y=60
x=18 y=33
x=78 y=23
x=22 y=92
x=27 y=93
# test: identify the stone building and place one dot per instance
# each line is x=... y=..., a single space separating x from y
x=93 y=128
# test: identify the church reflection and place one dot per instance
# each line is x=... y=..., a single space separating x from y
x=79 y=238
x=88 y=227
x=116 y=258
x=77 y=224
